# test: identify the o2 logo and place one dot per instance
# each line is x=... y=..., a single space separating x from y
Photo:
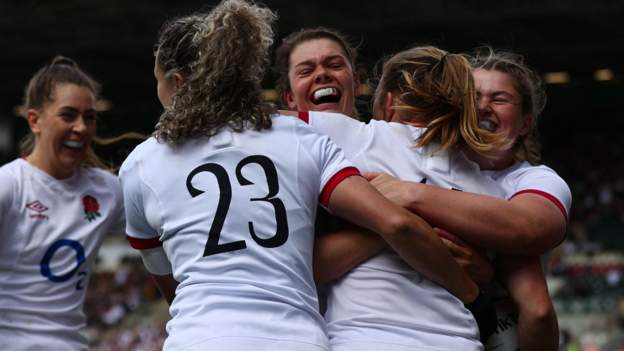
x=80 y=259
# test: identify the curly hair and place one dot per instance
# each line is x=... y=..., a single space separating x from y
x=437 y=88
x=529 y=85
x=222 y=56
x=282 y=54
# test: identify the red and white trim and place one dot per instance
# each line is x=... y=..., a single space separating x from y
x=304 y=116
x=548 y=196
x=334 y=181
x=143 y=244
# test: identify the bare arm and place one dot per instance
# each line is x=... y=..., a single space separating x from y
x=474 y=261
x=339 y=251
x=167 y=286
x=537 y=322
x=528 y=224
x=409 y=235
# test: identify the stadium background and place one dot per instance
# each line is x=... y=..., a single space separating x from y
x=577 y=45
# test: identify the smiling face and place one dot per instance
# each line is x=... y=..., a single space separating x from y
x=321 y=78
x=64 y=129
x=500 y=108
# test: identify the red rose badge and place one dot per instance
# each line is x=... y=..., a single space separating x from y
x=91 y=207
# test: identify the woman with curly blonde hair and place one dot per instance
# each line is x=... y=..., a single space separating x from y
x=221 y=202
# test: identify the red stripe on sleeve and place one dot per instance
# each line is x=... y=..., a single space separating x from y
x=143 y=244
x=546 y=195
x=304 y=116
x=334 y=181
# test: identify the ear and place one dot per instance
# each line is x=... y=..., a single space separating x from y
x=389 y=113
x=287 y=97
x=356 y=85
x=527 y=124
x=179 y=80
x=33 y=117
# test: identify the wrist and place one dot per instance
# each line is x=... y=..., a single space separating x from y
x=472 y=294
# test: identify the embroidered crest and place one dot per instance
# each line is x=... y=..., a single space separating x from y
x=91 y=207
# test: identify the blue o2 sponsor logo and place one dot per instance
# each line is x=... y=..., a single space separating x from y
x=49 y=255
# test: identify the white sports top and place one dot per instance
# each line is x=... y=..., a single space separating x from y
x=51 y=230
x=235 y=216
x=383 y=302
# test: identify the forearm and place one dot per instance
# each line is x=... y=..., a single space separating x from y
x=521 y=226
x=423 y=250
x=340 y=251
x=410 y=236
x=537 y=321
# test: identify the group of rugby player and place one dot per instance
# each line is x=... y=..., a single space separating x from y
x=448 y=210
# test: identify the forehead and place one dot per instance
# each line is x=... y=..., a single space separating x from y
x=68 y=94
x=492 y=81
x=315 y=49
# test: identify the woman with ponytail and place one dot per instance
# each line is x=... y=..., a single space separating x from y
x=56 y=206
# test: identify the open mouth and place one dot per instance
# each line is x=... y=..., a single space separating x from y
x=73 y=144
x=487 y=125
x=326 y=95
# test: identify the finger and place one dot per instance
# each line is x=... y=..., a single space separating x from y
x=371 y=175
x=455 y=249
x=447 y=235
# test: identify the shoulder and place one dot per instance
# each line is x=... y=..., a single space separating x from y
x=142 y=152
x=525 y=171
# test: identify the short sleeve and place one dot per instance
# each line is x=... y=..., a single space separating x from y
x=140 y=233
x=6 y=194
x=544 y=181
x=345 y=131
x=334 y=167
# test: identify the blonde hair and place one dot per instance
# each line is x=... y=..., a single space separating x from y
x=222 y=56
x=531 y=88
x=437 y=88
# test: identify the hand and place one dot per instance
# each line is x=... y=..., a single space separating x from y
x=472 y=260
x=392 y=188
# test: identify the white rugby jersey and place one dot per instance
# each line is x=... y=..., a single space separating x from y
x=235 y=216
x=383 y=302
x=51 y=230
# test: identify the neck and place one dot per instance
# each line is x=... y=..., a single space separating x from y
x=37 y=159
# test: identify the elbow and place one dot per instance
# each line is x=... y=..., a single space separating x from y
x=540 y=314
x=530 y=238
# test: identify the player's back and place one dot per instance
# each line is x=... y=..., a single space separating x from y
x=234 y=213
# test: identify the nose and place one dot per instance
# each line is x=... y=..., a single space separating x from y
x=321 y=75
x=483 y=105
x=80 y=125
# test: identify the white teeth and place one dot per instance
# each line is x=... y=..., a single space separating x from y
x=73 y=144
x=324 y=92
x=487 y=125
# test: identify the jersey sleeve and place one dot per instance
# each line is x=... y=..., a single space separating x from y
x=334 y=167
x=543 y=181
x=350 y=134
x=140 y=233
x=6 y=194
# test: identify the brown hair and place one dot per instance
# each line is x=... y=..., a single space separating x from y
x=40 y=92
x=437 y=88
x=282 y=54
x=532 y=91
x=222 y=56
